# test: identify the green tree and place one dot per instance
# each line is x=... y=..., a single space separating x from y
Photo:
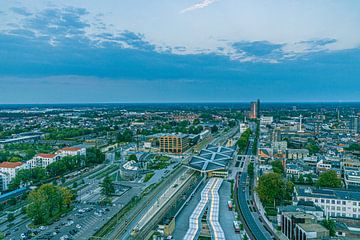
x=329 y=179
x=301 y=179
x=309 y=179
x=272 y=189
x=133 y=157
x=12 y=201
x=330 y=225
x=250 y=170
x=277 y=167
x=214 y=129
x=10 y=217
x=46 y=201
x=107 y=186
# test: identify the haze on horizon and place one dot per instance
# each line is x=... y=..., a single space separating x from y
x=179 y=51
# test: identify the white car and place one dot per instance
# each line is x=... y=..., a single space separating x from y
x=23 y=235
x=64 y=237
x=78 y=226
x=42 y=228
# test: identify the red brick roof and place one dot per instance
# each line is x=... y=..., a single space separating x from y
x=70 y=149
x=46 y=155
x=10 y=164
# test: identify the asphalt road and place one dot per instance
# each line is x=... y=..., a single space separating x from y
x=254 y=225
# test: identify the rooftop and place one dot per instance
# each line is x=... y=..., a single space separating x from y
x=10 y=164
x=212 y=158
x=329 y=193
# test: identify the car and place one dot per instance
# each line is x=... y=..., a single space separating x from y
x=78 y=226
x=54 y=233
x=64 y=237
x=23 y=236
x=42 y=228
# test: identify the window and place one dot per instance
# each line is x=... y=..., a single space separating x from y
x=344 y=202
x=332 y=207
x=333 y=202
x=354 y=209
x=338 y=208
x=316 y=200
x=344 y=209
x=354 y=203
x=327 y=201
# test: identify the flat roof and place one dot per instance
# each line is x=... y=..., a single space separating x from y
x=212 y=158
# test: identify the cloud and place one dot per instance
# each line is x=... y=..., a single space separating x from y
x=21 y=11
x=257 y=48
x=202 y=4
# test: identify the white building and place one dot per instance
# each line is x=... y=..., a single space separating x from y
x=71 y=151
x=335 y=203
x=266 y=120
x=243 y=127
x=42 y=160
x=8 y=172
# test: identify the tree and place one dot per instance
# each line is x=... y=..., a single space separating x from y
x=250 y=170
x=329 y=179
x=277 y=167
x=10 y=217
x=214 y=129
x=196 y=121
x=243 y=140
x=133 y=157
x=94 y=156
x=46 y=201
x=301 y=179
x=309 y=179
x=272 y=189
x=330 y=225
x=107 y=186
x=12 y=201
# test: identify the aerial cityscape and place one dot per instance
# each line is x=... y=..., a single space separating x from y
x=182 y=120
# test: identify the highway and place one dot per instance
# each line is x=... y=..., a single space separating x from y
x=254 y=226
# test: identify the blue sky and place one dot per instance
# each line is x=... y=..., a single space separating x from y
x=179 y=51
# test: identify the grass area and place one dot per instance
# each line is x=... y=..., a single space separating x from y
x=159 y=162
x=148 y=176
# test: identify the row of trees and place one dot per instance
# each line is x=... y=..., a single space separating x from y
x=59 y=168
x=243 y=140
x=47 y=202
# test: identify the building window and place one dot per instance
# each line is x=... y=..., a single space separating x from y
x=327 y=201
x=344 y=202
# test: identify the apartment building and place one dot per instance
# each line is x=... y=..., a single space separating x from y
x=174 y=143
x=71 y=151
x=42 y=160
x=335 y=203
x=8 y=172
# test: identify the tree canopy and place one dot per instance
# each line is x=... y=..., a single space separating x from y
x=329 y=179
x=47 y=201
x=273 y=189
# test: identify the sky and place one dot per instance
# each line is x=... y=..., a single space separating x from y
x=179 y=51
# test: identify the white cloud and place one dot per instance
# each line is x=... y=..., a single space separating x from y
x=202 y=4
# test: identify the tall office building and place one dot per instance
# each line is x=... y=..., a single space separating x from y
x=354 y=124
x=254 y=110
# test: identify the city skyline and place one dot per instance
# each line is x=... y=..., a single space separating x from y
x=183 y=51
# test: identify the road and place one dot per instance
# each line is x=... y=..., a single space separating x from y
x=254 y=226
